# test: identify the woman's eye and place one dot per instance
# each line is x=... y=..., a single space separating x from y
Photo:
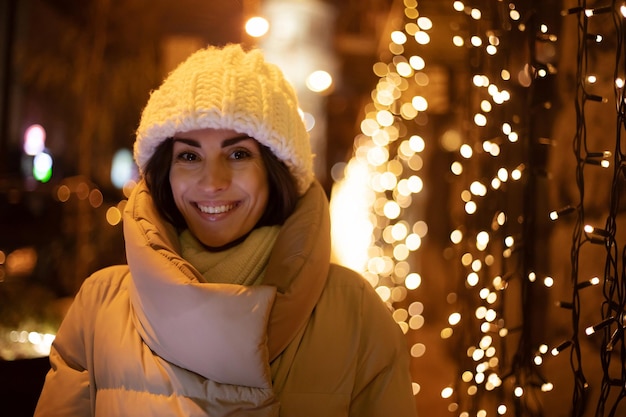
x=240 y=154
x=187 y=156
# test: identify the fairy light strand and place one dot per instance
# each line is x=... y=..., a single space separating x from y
x=612 y=308
x=510 y=380
x=501 y=371
x=384 y=174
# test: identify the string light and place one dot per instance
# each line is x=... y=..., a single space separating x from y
x=556 y=214
x=496 y=145
x=597 y=231
x=604 y=323
x=561 y=347
x=565 y=304
x=478 y=197
x=595 y=97
x=614 y=297
x=388 y=156
x=589 y=283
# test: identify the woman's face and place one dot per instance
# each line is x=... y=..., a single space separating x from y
x=219 y=183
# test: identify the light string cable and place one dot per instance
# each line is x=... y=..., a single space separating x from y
x=613 y=289
x=527 y=373
x=612 y=307
x=579 y=396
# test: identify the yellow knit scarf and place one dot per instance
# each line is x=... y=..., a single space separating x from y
x=243 y=264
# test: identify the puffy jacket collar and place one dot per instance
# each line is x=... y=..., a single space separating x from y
x=226 y=333
x=298 y=267
x=215 y=330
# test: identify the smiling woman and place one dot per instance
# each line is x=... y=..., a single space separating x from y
x=219 y=184
x=229 y=304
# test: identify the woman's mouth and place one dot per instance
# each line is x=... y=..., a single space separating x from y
x=216 y=209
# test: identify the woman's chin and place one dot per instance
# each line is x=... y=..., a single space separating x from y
x=218 y=246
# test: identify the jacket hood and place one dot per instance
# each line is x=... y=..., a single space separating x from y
x=226 y=333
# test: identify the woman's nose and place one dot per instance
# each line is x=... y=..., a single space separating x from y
x=215 y=175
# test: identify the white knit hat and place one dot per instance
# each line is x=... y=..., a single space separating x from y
x=228 y=88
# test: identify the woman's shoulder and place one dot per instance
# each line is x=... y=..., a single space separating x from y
x=341 y=275
x=348 y=284
x=105 y=283
x=351 y=282
x=350 y=291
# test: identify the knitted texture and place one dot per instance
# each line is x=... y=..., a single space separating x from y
x=228 y=88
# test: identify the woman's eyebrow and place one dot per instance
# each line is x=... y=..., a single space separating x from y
x=225 y=143
x=234 y=140
x=190 y=142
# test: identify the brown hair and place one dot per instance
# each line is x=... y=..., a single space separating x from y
x=283 y=193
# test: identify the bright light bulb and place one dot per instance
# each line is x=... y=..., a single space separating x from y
x=319 y=81
x=257 y=26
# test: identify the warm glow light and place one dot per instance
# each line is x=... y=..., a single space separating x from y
x=476 y=41
x=424 y=23
x=113 y=216
x=417 y=62
x=392 y=210
x=456 y=168
x=257 y=26
x=472 y=279
x=404 y=69
x=478 y=189
x=377 y=155
x=456 y=236
x=351 y=227
x=384 y=118
x=454 y=319
x=422 y=38
x=447 y=392
x=36 y=343
x=419 y=103
x=95 y=198
x=63 y=193
x=384 y=293
x=413 y=281
x=466 y=151
x=319 y=81
x=398 y=37
x=480 y=119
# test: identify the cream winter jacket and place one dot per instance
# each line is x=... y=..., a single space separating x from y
x=150 y=339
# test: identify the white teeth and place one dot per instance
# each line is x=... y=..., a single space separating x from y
x=216 y=209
